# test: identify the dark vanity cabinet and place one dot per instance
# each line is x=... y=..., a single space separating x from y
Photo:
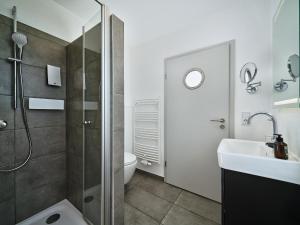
x=254 y=200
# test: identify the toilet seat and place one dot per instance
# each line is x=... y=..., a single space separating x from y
x=129 y=158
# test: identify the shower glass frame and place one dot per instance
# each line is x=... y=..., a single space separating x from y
x=105 y=136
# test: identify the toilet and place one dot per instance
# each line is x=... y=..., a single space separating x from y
x=129 y=166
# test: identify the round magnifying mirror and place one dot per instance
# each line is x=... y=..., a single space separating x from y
x=293 y=66
x=194 y=78
x=248 y=72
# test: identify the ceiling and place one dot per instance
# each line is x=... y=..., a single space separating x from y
x=84 y=9
x=146 y=20
x=61 y=18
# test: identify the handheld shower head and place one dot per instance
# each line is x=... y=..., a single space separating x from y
x=20 y=40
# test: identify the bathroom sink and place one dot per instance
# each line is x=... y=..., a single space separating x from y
x=256 y=158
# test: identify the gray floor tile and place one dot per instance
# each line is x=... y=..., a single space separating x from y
x=148 y=203
x=158 y=187
x=135 y=180
x=200 y=205
x=180 y=216
x=135 y=217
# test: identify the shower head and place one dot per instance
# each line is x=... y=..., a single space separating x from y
x=19 y=39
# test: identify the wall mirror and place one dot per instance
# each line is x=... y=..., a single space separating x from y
x=286 y=55
x=293 y=66
x=248 y=72
x=194 y=78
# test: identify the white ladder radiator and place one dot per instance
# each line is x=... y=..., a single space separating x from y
x=147 y=130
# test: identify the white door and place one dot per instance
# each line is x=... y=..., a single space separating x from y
x=191 y=137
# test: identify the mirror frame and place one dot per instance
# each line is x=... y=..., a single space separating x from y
x=245 y=69
x=293 y=62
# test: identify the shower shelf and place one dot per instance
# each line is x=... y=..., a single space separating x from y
x=46 y=104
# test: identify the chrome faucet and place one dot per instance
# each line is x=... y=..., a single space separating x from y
x=270 y=117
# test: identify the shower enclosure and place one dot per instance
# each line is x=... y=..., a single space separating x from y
x=56 y=151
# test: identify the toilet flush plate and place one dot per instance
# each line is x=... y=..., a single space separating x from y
x=53 y=75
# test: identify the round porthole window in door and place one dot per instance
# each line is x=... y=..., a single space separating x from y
x=194 y=78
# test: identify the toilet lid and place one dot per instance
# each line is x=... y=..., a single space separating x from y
x=129 y=158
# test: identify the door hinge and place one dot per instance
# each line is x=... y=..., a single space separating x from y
x=165 y=163
x=165 y=76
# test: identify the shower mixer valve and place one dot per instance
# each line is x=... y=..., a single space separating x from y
x=3 y=124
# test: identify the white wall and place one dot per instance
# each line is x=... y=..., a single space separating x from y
x=249 y=24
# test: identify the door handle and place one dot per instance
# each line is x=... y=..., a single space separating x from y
x=222 y=120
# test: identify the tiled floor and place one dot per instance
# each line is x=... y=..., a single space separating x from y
x=150 y=201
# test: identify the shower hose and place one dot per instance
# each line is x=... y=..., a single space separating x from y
x=24 y=115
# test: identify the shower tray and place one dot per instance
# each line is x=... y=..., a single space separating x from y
x=62 y=213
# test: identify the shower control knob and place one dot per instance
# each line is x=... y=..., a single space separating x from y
x=3 y=124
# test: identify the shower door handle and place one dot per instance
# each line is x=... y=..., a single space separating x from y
x=87 y=122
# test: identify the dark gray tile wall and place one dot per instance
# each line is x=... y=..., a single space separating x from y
x=42 y=182
x=117 y=63
x=7 y=212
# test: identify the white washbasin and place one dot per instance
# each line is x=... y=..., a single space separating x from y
x=256 y=158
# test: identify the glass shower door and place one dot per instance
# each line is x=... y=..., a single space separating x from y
x=84 y=118
x=92 y=120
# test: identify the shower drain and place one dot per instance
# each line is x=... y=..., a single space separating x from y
x=53 y=218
